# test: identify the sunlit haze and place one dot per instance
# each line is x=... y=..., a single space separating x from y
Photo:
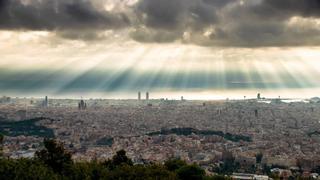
x=200 y=49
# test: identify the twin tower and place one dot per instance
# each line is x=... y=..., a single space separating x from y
x=139 y=96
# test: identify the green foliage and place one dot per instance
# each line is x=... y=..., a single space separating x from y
x=1 y=138
x=26 y=127
x=185 y=172
x=189 y=131
x=87 y=170
x=54 y=163
x=1 y=144
x=106 y=141
x=121 y=158
x=174 y=164
x=316 y=133
x=25 y=169
x=191 y=172
x=54 y=156
x=117 y=160
x=259 y=157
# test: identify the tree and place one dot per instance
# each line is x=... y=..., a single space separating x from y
x=54 y=156
x=121 y=158
x=191 y=172
x=88 y=170
x=54 y=162
x=25 y=169
x=1 y=144
x=259 y=157
x=118 y=160
x=174 y=164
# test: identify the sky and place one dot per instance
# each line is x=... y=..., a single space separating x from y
x=199 y=49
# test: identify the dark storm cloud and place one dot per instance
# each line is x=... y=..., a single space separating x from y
x=56 y=15
x=267 y=23
x=233 y=23
x=168 y=14
x=167 y=20
x=306 y=8
x=252 y=23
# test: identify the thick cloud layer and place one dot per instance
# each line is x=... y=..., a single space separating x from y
x=74 y=19
x=306 y=8
x=56 y=14
x=204 y=22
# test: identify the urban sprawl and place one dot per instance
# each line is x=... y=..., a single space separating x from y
x=283 y=132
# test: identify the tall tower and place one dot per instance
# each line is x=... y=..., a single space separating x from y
x=147 y=95
x=139 y=95
x=45 y=102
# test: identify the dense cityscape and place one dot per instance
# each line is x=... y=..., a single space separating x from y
x=255 y=132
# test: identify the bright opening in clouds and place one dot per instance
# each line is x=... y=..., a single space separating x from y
x=196 y=48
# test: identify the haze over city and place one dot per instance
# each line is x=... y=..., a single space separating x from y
x=198 y=48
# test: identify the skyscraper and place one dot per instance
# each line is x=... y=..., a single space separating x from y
x=45 y=102
x=139 y=95
x=147 y=95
